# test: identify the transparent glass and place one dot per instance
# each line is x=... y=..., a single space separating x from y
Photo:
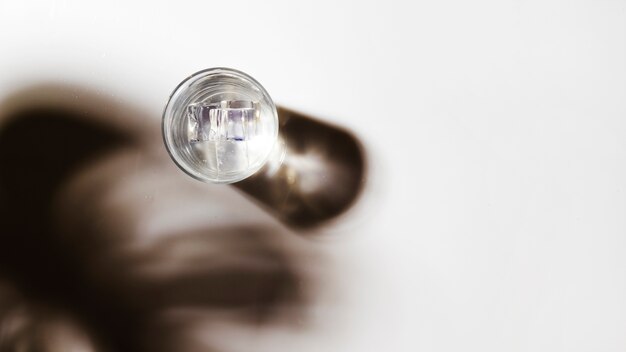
x=220 y=125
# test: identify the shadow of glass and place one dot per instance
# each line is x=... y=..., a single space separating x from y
x=320 y=174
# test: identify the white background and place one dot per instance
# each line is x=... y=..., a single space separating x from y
x=494 y=213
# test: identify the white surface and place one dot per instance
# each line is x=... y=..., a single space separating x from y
x=494 y=218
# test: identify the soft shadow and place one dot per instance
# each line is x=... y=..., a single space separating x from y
x=39 y=148
x=319 y=177
x=117 y=295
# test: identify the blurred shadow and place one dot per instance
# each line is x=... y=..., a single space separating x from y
x=28 y=327
x=39 y=148
x=320 y=173
x=245 y=269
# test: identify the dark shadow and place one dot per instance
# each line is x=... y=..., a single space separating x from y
x=320 y=177
x=41 y=148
